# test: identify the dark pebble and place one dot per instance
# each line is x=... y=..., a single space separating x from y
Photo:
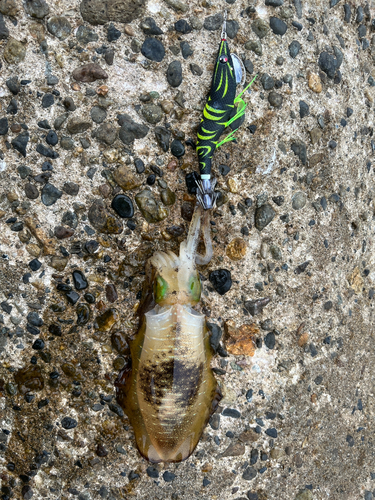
x=12 y=83
x=186 y=50
x=332 y=144
x=133 y=475
x=6 y=307
x=153 y=49
x=191 y=182
x=47 y=152
x=152 y=472
x=349 y=112
x=68 y=423
x=213 y=23
x=31 y=191
x=116 y=409
x=44 y=124
x=35 y=264
x=182 y=26
x=52 y=138
x=270 y=340
x=274 y=3
x=267 y=82
x=113 y=33
x=20 y=143
x=163 y=136
x=13 y=107
x=151 y=179
x=71 y=188
x=255 y=307
x=174 y=74
x=168 y=476
x=38 y=345
x=27 y=492
x=123 y=206
x=80 y=281
x=249 y=474
x=328 y=305
x=221 y=280
x=299 y=149
x=42 y=403
x=4 y=126
x=249 y=66
x=297 y=25
x=272 y=432
x=149 y=27
x=232 y=28
x=50 y=194
x=350 y=440
x=328 y=64
x=215 y=336
x=263 y=216
x=177 y=148
x=294 y=49
x=34 y=319
x=278 y=26
x=47 y=100
x=55 y=330
x=304 y=109
x=347 y=13
x=139 y=165
x=72 y=297
x=231 y=412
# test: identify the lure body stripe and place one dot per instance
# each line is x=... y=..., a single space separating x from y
x=218 y=109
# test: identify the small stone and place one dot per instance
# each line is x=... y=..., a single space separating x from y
x=59 y=121
x=59 y=263
x=152 y=113
x=213 y=23
x=20 y=143
x=98 y=114
x=221 y=280
x=275 y=99
x=27 y=492
x=106 y=133
x=37 y=9
x=299 y=200
x=299 y=149
x=255 y=46
x=149 y=27
x=151 y=210
x=113 y=33
x=68 y=103
x=274 y=3
x=328 y=64
x=168 y=197
x=123 y=206
x=80 y=281
x=131 y=130
x=59 y=26
x=256 y=307
x=270 y=340
x=86 y=35
x=182 y=26
x=186 y=49
x=249 y=474
x=260 y=28
x=31 y=191
x=68 y=423
x=263 y=216
x=236 y=249
x=153 y=49
x=62 y=232
x=71 y=188
x=77 y=125
x=66 y=143
x=103 y=221
x=163 y=136
x=12 y=83
x=278 y=26
x=174 y=74
x=125 y=178
x=52 y=138
x=304 y=495
x=315 y=135
x=232 y=28
x=304 y=109
x=294 y=49
x=177 y=148
x=177 y=5
x=315 y=83
x=240 y=341
x=267 y=82
x=14 y=51
x=89 y=73
x=106 y=320
x=38 y=345
x=4 y=126
x=50 y=194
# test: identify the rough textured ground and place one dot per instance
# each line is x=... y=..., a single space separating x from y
x=311 y=413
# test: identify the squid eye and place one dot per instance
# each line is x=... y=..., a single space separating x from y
x=161 y=289
x=223 y=59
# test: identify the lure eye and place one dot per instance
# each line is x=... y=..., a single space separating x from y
x=223 y=59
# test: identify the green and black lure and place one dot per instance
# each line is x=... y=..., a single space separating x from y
x=218 y=115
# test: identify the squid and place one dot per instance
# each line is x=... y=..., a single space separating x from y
x=169 y=392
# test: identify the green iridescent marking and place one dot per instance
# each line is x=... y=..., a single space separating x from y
x=161 y=289
x=195 y=288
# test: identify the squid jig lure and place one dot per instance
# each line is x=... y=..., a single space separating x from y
x=221 y=110
x=170 y=392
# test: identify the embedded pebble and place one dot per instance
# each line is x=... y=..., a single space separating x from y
x=153 y=49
